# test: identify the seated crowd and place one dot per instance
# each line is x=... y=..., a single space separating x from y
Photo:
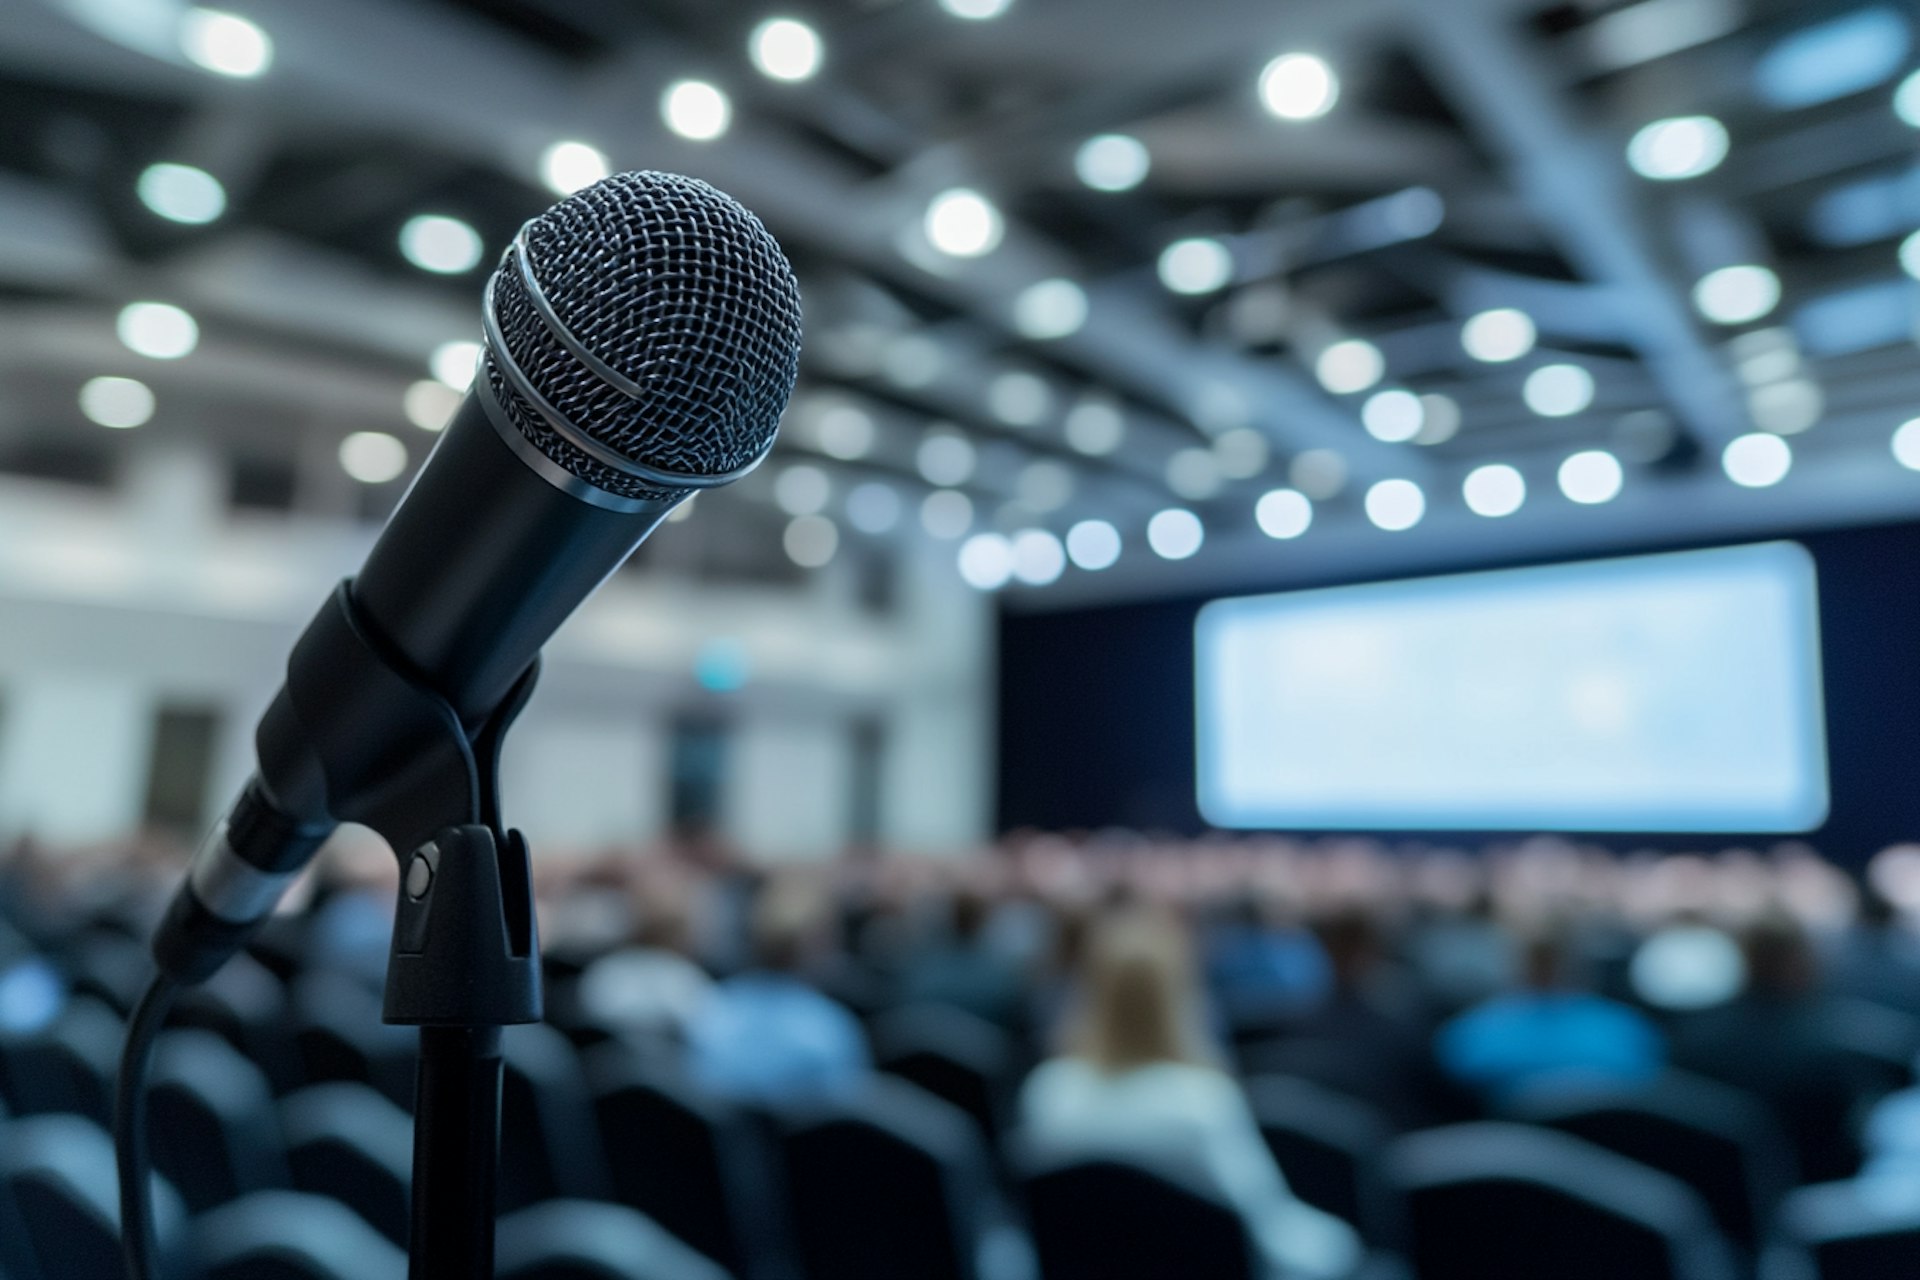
x=1218 y=1015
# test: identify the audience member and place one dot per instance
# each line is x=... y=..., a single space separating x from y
x=1139 y=1083
x=961 y=967
x=649 y=989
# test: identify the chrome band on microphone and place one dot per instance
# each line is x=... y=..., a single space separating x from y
x=229 y=886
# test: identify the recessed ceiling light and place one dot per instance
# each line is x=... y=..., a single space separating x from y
x=182 y=193
x=437 y=243
x=1591 y=477
x=225 y=43
x=696 y=110
x=1196 y=265
x=1499 y=335
x=1298 y=86
x=1112 y=162
x=429 y=403
x=785 y=49
x=1683 y=147
x=1050 y=309
x=119 y=403
x=1494 y=490
x=962 y=223
x=1093 y=545
x=372 y=457
x=1558 y=390
x=157 y=330
x=810 y=541
x=1175 y=534
x=946 y=513
x=986 y=561
x=1038 y=557
x=1350 y=366
x=455 y=363
x=1758 y=460
x=1393 y=416
x=1283 y=513
x=1736 y=295
x=1395 y=505
x=567 y=167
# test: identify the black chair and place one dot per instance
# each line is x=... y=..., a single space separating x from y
x=583 y=1240
x=214 y=1132
x=889 y=1184
x=549 y=1148
x=245 y=1004
x=1716 y=1139
x=110 y=966
x=700 y=1168
x=956 y=1056
x=1852 y=1231
x=338 y=1036
x=348 y=1142
x=16 y=1258
x=68 y=1067
x=1112 y=1220
x=58 y=1174
x=1500 y=1201
x=286 y=1235
x=1328 y=1146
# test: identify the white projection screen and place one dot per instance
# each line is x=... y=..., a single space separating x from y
x=1660 y=693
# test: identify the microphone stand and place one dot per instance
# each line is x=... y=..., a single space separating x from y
x=465 y=959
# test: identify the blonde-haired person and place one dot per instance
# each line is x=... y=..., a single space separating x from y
x=1137 y=1082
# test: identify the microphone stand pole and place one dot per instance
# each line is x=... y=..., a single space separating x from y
x=465 y=959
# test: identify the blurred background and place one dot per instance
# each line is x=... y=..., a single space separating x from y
x=1321 y=681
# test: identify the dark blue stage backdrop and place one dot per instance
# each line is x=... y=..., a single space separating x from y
x=1097 y=708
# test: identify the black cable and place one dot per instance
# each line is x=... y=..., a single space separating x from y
x=137 y=1240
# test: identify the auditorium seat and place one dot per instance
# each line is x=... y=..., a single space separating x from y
x=1716 y=1139
x=1857 y=1230
x=1112 y=1220
x=245 y=1004
x=957 y=1057
x=583 y=1240
x=1500 y=1201
x=67 y=1067
x=215 y=1134
x=347 y=1141
x=702 y=1169
x=339 y=1036
x=16 y=1258
x=288 y=1235
x=891 y=1183
x=109 y=965
x=549 y=1147
x=58 y=1172
x=1329 y=1146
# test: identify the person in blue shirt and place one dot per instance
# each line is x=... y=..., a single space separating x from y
x=1547 y=1034
x=765 y=1036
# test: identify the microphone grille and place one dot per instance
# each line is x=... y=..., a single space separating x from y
x=679 y=290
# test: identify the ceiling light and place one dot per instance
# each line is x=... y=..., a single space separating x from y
x=946 y=513
x=1494 y=490
x=157 y=330
x=1019 y=399
x=963 y=223
x=1499 y=335
x=912 y=361
x=455 y=363
x=802 y=490
x=1283 y=513
x=696 y=110
x=1112 y=162
x=785 y=49
x=844 y=431
x=1219 y=406
x=1684 y=147
x=1910 y=255
x=437 y=243
x=1591 y=477
x=1906 y=444
x=1350 y=366
x=1196 y=265
x=1241 y=454
x=1095 y=427
x=1298 y=86
x=1395 y=505
x=225 y=43
x=1175 y=534
x=1093 y=545
x=1038 y=557
x=116 y=402
x=1044 y=486
x=1906 y=100
x=975 y=10
x=945 y=458
x=1440 y=419
x=873 y=507
x=1558 y=390
x=1050 y=309
x=1785 y=408
x=372 y=457
x=1193 y=474
x=986 y=561
x=1393 y=416
x=1736 y=295
x=429 y=403
x=1318 y=473
x=1757 y=460
x=182 y=193
x=567 y=167
x=810 y=541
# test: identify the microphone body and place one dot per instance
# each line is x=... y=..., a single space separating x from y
x=570 y=449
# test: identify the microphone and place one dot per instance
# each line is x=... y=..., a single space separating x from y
x=642 y=338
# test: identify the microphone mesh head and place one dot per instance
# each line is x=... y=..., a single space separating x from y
x=675 y=286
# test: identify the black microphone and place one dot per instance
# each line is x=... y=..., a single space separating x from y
x=642 y=338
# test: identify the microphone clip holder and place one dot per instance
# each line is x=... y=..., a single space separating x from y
x=359 y=733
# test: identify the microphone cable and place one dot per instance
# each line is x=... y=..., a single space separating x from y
x=138 y=1247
